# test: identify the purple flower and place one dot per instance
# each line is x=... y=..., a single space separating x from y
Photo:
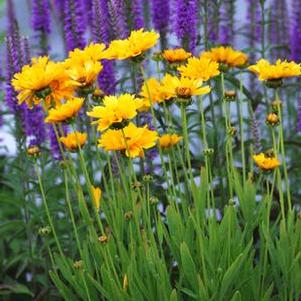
x=299 y=115
x=137 y=13
x=106 y=78
x=227 y=21
x=54 y=144
x=117 y=11
x=186 y=22
x=213 y=19
x=160 y=15
x=296 y=31
x=278 y=31
x=74 y=25
x=41 y=15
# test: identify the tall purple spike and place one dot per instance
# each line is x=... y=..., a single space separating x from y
x=186 y=15
x=117 y=11
x=137 y=14
x=295 y=40
x=74 y=25
x=278 y=30
x=213 y=20
x=299 y=115
x=101 y=33
x=227 y=29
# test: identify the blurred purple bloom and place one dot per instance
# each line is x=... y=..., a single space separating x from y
x=117 y=11
x=213 y=19
x=278 y=30
x=296 y=31
x=299 y=115
x=137 y=13
x=160 y=15
x=101 y=33
x=74 y=24
x=227 y=30
x=41 y=15
x=186 y=22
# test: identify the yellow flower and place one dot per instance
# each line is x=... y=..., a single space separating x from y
x=270 y=72
x=42 y=80
x=266 y=162
x=96 y=193
x=94 y=52
x=73 y=140
x=168 y=140
x=115 y=111
x=134 y=141
x=137 y=43
x=199 y=68
x=226 y=55
x=176 y=55
x=182 y=87
x=82 y=73
x=65 y=111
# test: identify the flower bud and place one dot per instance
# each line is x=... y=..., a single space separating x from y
x=230 y=95
x=147 y=178
x=272 y=119
x=232 y=131
x=98 y=95
x=157 y=56
x=103 y=239
x=78 y=265
x=33 y=151
x=128 y=215
x=44 y=231
x=153 y=200
x=137 y=185
x=208 y=151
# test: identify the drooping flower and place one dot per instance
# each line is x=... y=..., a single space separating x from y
x=200 y=68
x=136 y=44
x=176 y=55
x=169 y=140
x=42 y=80
x=183 y=87
x=226 y=56
x=115 y=112
x=74 y=140
x=65 y=112
x=96 y=193
x=266 y=162
x=277 y=71
x=134 y=141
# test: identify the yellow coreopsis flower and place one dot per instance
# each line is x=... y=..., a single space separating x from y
x=65 y=112
x=277 y=71
x=182 y=87
x=74 y=140
x=176 y=55
x=199 y=68
x=132 y=141
x=43 y=80
x=116 y=111
x=226 y=56
x=137 y=43
x=96 y=193
x=94 y=52
x=168 y=140
x=265 y=162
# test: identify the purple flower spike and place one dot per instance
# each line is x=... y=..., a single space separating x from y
x=137 y=12
x=74 y=25
x=186 y=22
x=117 y=11
x=227 y=23
x=41 y=15
x=296 y=31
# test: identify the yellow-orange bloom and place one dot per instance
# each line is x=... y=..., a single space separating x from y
x=134 y=141
x=115 y=111
x=65 y=112
x=182 y=87
x=199 y=68
x=226 y=55
x=266 y=162
x=96 y=194
x=137 y=43
x=277 y=71
x=42 y=80
x=74 y=140
x=168 y=140
x=94 y=52
x=176 y=55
